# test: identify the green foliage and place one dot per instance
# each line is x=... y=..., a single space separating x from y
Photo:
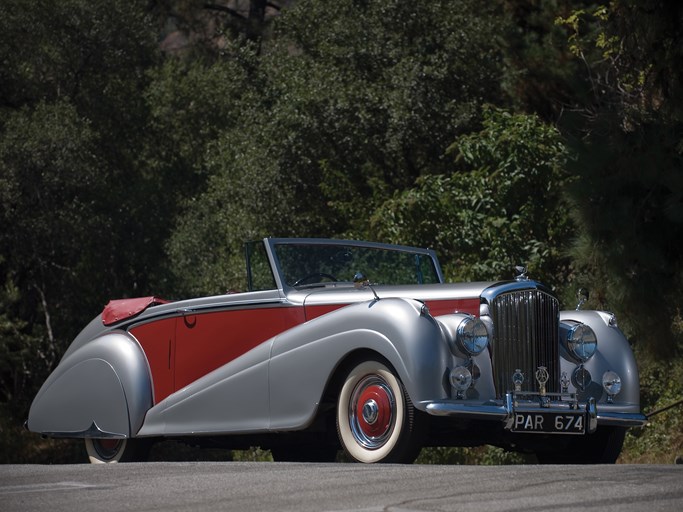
x=630 y=50
x=69 y=139
x=661 y=440
x=50 y=223
x=628 y=141
x=501 y=207
x=92 y=54
x=253 y=454
x=338 y=124
x=628 y=202
x=18 y=348
x=483 y=455
x=190 y=104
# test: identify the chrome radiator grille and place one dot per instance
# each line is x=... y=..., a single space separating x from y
x=526 y=332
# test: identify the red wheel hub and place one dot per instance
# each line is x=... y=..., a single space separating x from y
x=374 y=411
x=109 y=445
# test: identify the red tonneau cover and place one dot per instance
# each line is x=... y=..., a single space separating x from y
x=120 y=309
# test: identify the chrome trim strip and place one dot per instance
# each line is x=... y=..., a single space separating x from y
x=94 y=431
x=622 y=419
x=505 y=411
x=592 y=415
x=499 y=288
x=461 y=409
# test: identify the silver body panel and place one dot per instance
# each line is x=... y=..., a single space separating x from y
x=217 y=403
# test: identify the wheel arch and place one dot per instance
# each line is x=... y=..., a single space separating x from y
x=344 y=366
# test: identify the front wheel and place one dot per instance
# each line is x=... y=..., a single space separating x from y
x=105 y=451
x=376 y=420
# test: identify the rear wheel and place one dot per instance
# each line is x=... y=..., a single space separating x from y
x=105 y=451
x=376 y=421
x=601 y=447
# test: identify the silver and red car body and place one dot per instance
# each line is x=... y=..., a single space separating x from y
x=261 y=362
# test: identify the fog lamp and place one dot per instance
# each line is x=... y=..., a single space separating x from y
x=611 y=382
x=461 y=380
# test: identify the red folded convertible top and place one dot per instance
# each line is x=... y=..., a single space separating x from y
x=121 y=309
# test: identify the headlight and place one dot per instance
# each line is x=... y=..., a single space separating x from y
x=582 y=342
x=472 y=336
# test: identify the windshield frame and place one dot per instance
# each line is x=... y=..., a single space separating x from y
x=271 y=246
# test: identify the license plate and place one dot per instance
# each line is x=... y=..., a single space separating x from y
x=549 y=422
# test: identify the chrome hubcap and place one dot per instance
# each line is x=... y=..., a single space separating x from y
x=370 y=412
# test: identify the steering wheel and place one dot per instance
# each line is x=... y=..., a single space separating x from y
x=308 y=277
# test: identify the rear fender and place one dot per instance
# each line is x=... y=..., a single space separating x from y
x=102 y=389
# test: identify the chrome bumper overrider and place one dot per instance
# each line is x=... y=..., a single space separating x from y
x=504 y=411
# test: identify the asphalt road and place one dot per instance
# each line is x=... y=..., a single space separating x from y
x=263 y=486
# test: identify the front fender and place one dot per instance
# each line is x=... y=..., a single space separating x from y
x=304 y=358
x=613 y=353
x=102 y=389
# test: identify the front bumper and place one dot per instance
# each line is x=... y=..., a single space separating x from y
x=504 y=411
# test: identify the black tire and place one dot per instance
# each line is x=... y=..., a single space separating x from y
x=376 y=420
x=601 y=447
x=107 y=451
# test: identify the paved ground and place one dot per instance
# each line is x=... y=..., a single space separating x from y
x=263 y=486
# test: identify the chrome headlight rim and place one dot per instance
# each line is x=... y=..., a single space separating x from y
x=472 y=336
x=581 y=342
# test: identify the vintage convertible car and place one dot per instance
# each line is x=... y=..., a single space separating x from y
x=352 y=345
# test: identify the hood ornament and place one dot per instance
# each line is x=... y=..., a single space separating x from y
x=521 y=273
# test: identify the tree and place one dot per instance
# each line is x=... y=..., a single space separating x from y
x=71 y=212
x=356 y=99
x=500 y=207
x=627 y=136
x=200 y=29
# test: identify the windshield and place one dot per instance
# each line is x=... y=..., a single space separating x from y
x=305 y=264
